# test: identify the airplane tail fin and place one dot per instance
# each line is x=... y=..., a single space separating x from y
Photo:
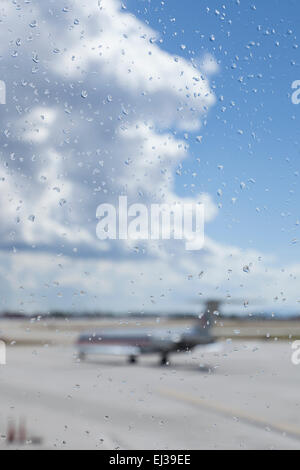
x=206 y=320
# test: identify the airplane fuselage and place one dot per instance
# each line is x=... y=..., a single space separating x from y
x=133 y=343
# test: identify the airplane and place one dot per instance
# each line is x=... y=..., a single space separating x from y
x=135 y=342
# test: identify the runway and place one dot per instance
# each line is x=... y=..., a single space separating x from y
x=243 y=397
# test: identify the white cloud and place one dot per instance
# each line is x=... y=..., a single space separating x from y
x=92 y=103
x=209 y=65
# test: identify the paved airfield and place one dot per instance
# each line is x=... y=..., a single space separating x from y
x=243 y=397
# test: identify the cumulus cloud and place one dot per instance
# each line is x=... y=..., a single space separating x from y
x=92 y=103
x=82 y=122
x=209 y=65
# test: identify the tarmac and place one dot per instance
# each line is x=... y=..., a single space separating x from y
x=245 y=396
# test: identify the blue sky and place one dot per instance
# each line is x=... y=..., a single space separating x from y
x=258 y=42
x=99 y=102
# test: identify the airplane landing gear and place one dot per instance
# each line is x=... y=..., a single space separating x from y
x=132 y=359
x=164 y=360
x=81 y=356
